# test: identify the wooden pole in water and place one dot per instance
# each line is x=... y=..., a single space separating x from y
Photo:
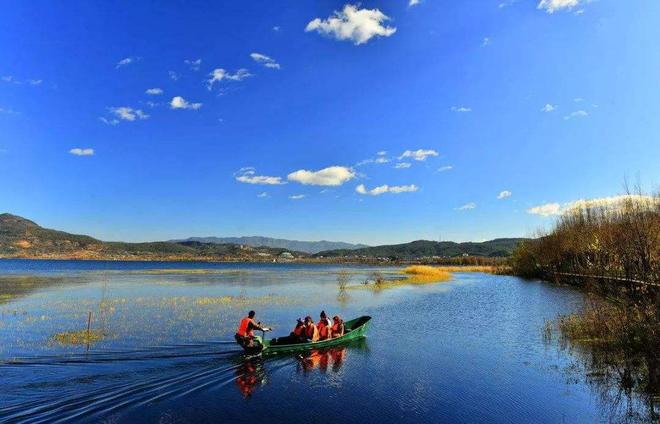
x=89 y=328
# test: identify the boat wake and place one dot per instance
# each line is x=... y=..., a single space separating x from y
x=116 y=380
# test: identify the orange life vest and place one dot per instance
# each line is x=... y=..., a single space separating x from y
x=323 y=329
x=335 y=327
x=312 y=332
x=243 y=328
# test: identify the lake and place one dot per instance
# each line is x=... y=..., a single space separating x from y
x=469 y=350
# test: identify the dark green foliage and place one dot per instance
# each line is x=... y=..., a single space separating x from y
x=424 y=248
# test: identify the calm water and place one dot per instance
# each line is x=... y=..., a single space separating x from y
x=471 y=350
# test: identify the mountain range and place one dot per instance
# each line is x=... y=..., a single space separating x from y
x=297 y=245
x=501 y=247
x=22 y=238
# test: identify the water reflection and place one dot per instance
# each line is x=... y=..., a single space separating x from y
x=321 y=359
x=621 y=381
x=249 y=375
x=252 y=372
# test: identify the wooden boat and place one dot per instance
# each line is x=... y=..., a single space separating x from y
x=354 y=329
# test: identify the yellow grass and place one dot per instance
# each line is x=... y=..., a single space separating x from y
x=466 y=268
x=423 y=274
x=80 y=337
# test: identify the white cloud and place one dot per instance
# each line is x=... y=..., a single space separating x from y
x=193 y=64
x=13 y=80
x=486 y=42
x=445 y=168
x=382 y=153
x=219 y=75
x=8 y=111
x=461 y=109
x=546 y=209
x=109 y=121
x=506 y=3
x=467 y=206
x=377 y=191
x=504 y=194
x=82 y=152
x=128 y=113
x=578 y=100
x=356 y=25
x=173 y=75
x=576 y=114
x=125 y=61
x=154 y=91
x=412 y=3
x=276 y=28
x=380 y=159
x=419 y=155
x=262 y=195
x=331 y=176
x=548 y=108
x=268 y=62
x=248 y=175
x=179 y=102
x=612 y=203
x=551 y=6
x=402 y=165
x=260 y=179
x=297 y=197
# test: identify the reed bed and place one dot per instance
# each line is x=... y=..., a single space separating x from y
x=424 y=274
x=468 y=268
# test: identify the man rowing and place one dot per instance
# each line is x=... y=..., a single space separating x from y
x=245 y=334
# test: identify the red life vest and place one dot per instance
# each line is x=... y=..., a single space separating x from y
x=243 y=328
x=298 y=331
x=323 y=329
x=336 y=328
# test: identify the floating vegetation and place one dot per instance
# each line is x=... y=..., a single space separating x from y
x=423 y=274
x=342 y=283
x=415 y=274
x=222 y=300
x=80 y=337
x=242 y=300
x=192 y=271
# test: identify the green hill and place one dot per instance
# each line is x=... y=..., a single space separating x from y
x=22 y=238
x=502 y=247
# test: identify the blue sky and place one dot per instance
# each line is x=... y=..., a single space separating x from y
x=377 y=122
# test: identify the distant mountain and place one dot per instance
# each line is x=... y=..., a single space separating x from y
x=502 y=247
x=297 y=245
x=22 y=238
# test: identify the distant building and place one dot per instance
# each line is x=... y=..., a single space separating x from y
x=285 y=256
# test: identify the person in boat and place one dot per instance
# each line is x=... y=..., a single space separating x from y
x=296 y=336
x=245 y=333
x=311 y=331
x=324 y=327
x=337 y=329
x=298 y=333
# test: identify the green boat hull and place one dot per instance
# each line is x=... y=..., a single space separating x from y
x=355 y=329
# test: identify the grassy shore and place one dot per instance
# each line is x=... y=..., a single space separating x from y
x=612 y=252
